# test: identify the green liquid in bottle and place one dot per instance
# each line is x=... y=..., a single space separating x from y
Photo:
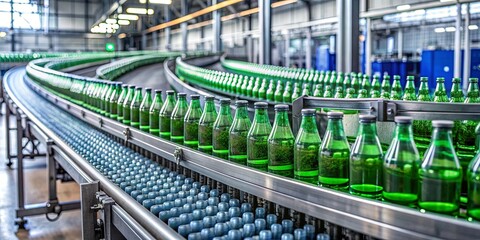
x=205 y=138
x=306 y=163
x=220 y=142
x=334 y=169
x=238 y=147
x=440 y=190
x=366 y=175
x=191 y=135
x=176 y=134
x=403 y=192
x=164 y=126
x=258 y=152
x=281 y=157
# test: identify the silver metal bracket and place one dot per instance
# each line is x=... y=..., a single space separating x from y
x=178 y=154
x=100 y=122
x=127 y=134
x=82 y=113
x=391 y=111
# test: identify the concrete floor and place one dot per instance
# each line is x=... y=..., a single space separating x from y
x=68 y=226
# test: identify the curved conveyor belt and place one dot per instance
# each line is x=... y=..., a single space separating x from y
x=152 y=76
x=79 y=140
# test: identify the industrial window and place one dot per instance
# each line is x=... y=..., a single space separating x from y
x=25 y=14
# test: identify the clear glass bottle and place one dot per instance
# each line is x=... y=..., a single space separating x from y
x=401 y=165
x=280 y=144
x=205 y=125
x=145 y=110
x=155 y=112
x=307 y=144
x=440 y=173
x=177 y=119
x=126 y=105
x=257 y=139
x=366 y=160
x=135 y=108
x=190 y=126
x=221 y=129
x=238 y=134
x=166 y=114
x=334 y=154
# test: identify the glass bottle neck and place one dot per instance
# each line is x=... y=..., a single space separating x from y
x=194 y=104
x=261 y=116
x=336 y=126
x=281 y=119
x=442 y=135
x=209 y=106
x=158 y=97
x=368 y=129
x=403 y=131
x=309 y=124
x=241 y=112
x=225 y=110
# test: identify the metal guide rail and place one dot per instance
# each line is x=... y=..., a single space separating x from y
x=375 y=218
x=118 y=210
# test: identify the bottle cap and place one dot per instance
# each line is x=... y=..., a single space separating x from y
x=131 y=86
x=241 y=103
x=194 y=97
x=396 y=77
x=335 y=115
x=170 y=92
x=225 y=101
x=440 y=79
x=158 y=90
x=148 y=89
x=260 y=105
x=124 y=85
x=308 y=111
x=209 y=97
x=473 y=79
x=367 y=118
x=281 y=107
x=410 y=78
x=424 y=79
x=138 y=88
x=181 y=95
x=442 y=124
x=401 y=119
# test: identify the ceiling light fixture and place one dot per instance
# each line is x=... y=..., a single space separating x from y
x=439 y=30
x=127 y=17
x=473 y=27
x=140 y=11
x=111 y=21
x=160 y=2
x=3 y=34
x=450 y=29
x=403 y=7
x=123 y=22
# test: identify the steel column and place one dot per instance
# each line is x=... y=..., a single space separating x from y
x=368 y=47
x=155 y=40
x=168 y=39
x=265 y=27
x=308 y=50
x=400 y=44
x=287 y=47
x=144 y=41
x=217 y=29
x=457 y=64
x=89 y=217
x=184 y=25
x=20 y=181
x=348 y=14
x=467 y=49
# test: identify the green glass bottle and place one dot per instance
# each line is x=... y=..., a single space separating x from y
x=287 y=94
x=120 y=101
x=256 y=87
x=278 y=96
x=305 y=152
x=386 y=89
x=332 y=80
x=113 y=101
x=318 y=91
x=145 y=110
x=221 y=129
x=328 y=93
x=257 y=144
x=339 y=80
x=103 y=98
x=376 y=84
x=154 y=112
x=165 y=115
x=333 y=158
x=280 y=144
x=440 y=173
x=362 y=93
x=177 y=119
x=456 y=93
x=440 y=94
x=251 y=86
x=366 y=160
x=355 y=85
x=397 y=92
x=238 y=134
x=135 y=108
x=347 y=81
x=106 y=99
x=424 y=91
x=192 y=118
x=473 y=95
x=473 y=179
x=271 y=91
x=306 y=90
x=126 y=105
x=339 y=93
x=297 y=91
x=366 y=84
x=401 y=165
x=262 y=92
x=205 y=125
x=410 y=94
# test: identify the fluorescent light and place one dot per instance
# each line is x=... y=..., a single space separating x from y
x=160 y=1
x=111 y=21
x=473 y=27
x=447 y=0
x=127 y=17
x=123 y=22
x=103 y=25
x=439 y=30
x=142 y=1
x=450 y=29
x=403 y=7
x=115 y=26
x=3 y=34
x=122 y=35
x=140 y=11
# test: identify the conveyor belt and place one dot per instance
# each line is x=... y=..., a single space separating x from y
x=216 y=66
x=86 y=72
x=151 y=76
